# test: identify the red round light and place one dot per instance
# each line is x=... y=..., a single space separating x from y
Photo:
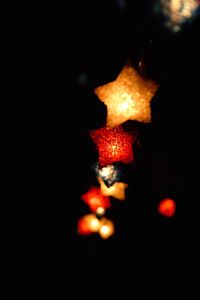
x=167 y=207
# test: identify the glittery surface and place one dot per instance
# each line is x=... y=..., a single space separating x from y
x=117 y=190
x=108 y=174
x=114 y=145
x=94 y=199
x=127 y=98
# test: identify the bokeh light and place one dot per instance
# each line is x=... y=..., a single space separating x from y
x=94 y=199
x=167 y=207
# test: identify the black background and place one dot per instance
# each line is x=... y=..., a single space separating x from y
x=96 y=39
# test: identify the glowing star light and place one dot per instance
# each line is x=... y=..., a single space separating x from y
x=114 y=145
x=95 y=200
x=106 y=229
x=167 y=207
x=117 y=190
x=127 y=98
x=88 y=224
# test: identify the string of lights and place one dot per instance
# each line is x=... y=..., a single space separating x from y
x=127 y=98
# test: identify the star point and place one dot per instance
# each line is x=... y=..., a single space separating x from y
x=117 y=190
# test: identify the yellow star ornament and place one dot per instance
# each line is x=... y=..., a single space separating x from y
x=117 y=190
x=127 y=98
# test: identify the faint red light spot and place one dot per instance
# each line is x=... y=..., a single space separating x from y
x=167 y=207
x=83 y=227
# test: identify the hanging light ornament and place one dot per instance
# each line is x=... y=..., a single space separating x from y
x=167 y=207
x=106 y=229
x=95 y=200
x=114 y=145
x=88 y=224
x=109 y=174
x=117 y=190
x=127 y=98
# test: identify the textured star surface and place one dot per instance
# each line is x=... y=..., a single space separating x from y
x=117 y=190
x=127 y=98
x=109 y=174
x=114 y=145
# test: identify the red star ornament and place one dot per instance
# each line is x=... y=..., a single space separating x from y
x=114 y=145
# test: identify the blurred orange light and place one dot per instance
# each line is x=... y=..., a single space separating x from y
x=167 y=207
x=95 y=199
x=117 y=190
x=88 y=224
x=100 y=211
x=107 y=228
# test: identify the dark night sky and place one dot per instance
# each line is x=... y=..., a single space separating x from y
x=97 y=41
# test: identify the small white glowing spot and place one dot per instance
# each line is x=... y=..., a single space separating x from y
x=106 y=229
x=127 y=102
x=100 y=211
x=94 y=225
x=108 y=174
x=106 y=171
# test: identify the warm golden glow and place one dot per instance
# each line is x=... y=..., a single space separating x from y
x=107 y=228
x=117 y=190
x=100 y=211
x=178 y=12
x=93 y=222
x=127 y=98
x=182 y=9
